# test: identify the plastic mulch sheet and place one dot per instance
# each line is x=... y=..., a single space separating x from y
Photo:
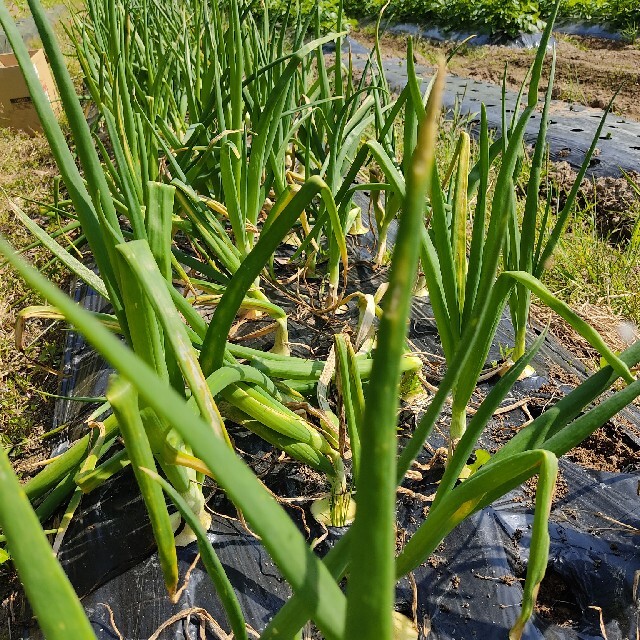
x=571 y=127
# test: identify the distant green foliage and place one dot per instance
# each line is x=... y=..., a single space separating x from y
x=500 y=16
x=328 y=10
x=622 y=14
x=506 y=16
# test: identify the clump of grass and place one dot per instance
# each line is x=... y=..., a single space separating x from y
x=26 y=169
x=587 y=268
x=596 y=261
x=27 y=174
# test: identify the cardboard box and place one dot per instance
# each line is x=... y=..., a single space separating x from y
x=16 y=107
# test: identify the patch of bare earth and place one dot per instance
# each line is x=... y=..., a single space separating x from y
x=615 y=201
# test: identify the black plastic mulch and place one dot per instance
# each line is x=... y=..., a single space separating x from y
x=571 y=127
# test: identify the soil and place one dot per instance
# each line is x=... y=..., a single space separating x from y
x=529 y=491
x=588 y=70
x=615 y=200
x=617 y=332
x=607 y=449
x=556 y=603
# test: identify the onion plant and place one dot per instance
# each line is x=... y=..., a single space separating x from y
x=465 y=288
x=233 y=137
x=531 y=243
x=136 y=277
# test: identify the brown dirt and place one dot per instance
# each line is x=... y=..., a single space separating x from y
x=615 y=202
x=607 y=449
x=556 y=603
x=530 y=486
x=588 y=70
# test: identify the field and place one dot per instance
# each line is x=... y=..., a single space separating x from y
x=326 y=317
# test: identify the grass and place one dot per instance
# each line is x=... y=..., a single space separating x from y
x=27 y=172
x=577 y=42
x=573 y=90
x=26 y=169
x=590 y=269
